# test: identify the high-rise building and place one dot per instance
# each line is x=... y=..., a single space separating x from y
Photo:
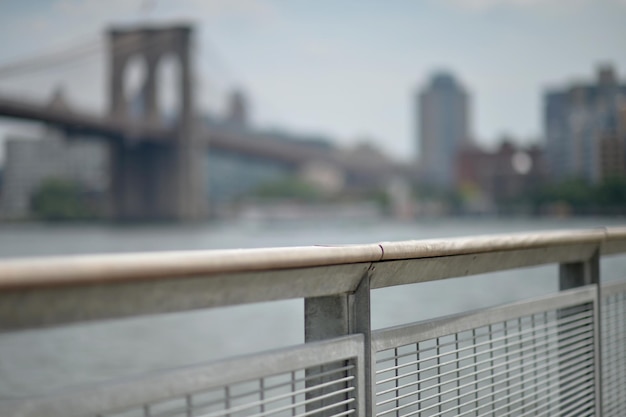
x=443 y=114
x=583 y=130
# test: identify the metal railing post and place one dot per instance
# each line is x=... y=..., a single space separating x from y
x=580 y=274
x=339 y=315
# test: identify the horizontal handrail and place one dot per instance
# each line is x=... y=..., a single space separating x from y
x=111 y=269
x=98 y=287
x=116 y=268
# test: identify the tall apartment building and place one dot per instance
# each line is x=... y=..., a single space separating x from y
x=585 y=136
x=443 y=115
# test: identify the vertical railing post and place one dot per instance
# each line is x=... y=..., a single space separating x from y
x=339 y=315
x=580 y=274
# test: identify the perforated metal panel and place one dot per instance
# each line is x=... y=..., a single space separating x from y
x=614 y=350
x=494 y=362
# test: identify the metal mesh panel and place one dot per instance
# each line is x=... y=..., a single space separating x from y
x=614 y=350
x=302 y=392
x=316 y=379
x=538 y=364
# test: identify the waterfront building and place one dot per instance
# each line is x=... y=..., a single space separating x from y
x=584 y=134
x=30 y=162
x=442 y=112
x=491 y=179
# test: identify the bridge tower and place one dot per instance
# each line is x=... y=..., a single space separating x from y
x=154 y=181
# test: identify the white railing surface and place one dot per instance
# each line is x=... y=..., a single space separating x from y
x=560 y=354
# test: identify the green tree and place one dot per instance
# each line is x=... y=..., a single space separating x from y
x=612 y=192
x=289 y=188
x=606 y=197
x=60 y=200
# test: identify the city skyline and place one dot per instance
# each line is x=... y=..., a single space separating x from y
x=320 y=67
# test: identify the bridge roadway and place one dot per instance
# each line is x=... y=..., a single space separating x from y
x=219 y=138
x=241 y=142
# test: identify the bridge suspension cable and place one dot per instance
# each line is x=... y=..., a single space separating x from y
x=46 y=61
x=63 y=57
x=230 y=76
x=225 y=80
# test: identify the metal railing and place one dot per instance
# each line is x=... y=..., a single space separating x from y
x=559 y=354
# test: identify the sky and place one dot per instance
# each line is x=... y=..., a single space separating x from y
x=348 y=69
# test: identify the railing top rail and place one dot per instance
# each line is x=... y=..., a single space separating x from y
x=414 y=249
x=118 y=268
x=616 y=233
x=44 y=292
x=132 y=267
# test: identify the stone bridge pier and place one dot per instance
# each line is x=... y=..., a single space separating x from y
x=154 y=180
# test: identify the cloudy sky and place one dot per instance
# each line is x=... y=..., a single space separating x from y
x=346 y=69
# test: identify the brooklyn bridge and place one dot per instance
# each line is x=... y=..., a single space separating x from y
x=158 y=167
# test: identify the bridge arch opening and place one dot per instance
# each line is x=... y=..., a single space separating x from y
x=168 y=81
x=134 y=81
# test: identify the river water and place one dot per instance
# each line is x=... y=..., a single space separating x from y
x=44 y=361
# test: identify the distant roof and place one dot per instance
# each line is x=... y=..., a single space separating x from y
x=443 y=79
x=178 y=25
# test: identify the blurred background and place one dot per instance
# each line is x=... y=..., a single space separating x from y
x=146 y=110
x=145 y=125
